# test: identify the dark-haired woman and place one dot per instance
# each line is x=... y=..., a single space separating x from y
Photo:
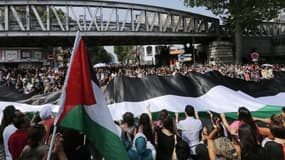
x=147 y=127
x=166 y=140
x=244 y=131
x=157 y=125
x=250 y=149
x=7 y=128
x=244 y=116
x=35 y=149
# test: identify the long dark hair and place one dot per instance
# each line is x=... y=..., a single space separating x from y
x=248 y=141
x=162 y=114
x=245 y=116
x=168 y=124
x=8 y=116
x=147 y=129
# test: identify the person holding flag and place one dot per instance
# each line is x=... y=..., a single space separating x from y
x=83 y=107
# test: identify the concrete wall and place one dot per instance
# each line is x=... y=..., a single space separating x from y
x=279 y=49
x=220 y=52
x=263 y=46
x=270 y=51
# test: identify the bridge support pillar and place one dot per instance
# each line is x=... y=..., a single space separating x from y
x=238 y=44
x=220 y=52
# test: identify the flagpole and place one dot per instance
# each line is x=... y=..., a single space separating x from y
x=52 y=142
x=77 y=38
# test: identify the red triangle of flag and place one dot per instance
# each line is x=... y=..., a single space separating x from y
x=78 y=89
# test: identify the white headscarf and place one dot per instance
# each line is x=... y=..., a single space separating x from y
x=46 y=113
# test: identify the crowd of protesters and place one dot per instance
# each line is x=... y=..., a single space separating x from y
x=250 y=72
x=169 y=137
x=46 y=80
x=247 y=138
x=27 y=137
x=33 y=80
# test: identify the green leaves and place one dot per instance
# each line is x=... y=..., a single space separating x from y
x=98 y=54
x=123 y=52
x=247 y=13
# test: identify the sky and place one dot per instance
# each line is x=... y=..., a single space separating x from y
x=173 y=4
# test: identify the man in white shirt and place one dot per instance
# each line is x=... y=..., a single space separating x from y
x=190 y=128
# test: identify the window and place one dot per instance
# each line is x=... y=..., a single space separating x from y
x=37 y=55
x=1 y=55
x=26 y=54
x=157 y=50
x=149 y=50
x=11 y=54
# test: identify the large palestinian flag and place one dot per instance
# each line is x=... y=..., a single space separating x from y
x=210 y=91
x=83 y=107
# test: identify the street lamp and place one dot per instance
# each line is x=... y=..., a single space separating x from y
x=193 y=50
x=186 y=50
x=187 y=45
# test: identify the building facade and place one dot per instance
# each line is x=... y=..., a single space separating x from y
x=22 y=57
x=147 y=54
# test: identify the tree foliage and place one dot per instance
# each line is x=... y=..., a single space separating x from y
x=99 y=55
x=123 y=52
x=43 y=14
x=241 y=14
x=246 y=13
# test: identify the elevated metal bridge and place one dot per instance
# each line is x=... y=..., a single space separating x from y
x=35 y=22
x=265 y=29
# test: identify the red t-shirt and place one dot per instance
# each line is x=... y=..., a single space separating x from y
x=17 y=142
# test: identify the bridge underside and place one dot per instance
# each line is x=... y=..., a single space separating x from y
x=99 y=38
x=55 y=23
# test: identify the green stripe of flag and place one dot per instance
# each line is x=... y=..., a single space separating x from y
x=103 y=138
x=264 y=112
